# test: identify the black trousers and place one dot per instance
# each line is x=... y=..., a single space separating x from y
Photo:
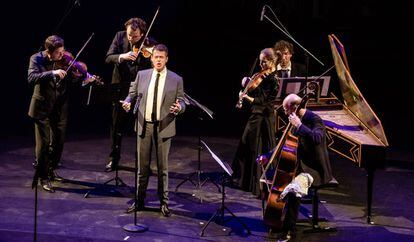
x=258 y=138
x=292 y=212
x=50 y=135
x=120 y=121
x=147 y=142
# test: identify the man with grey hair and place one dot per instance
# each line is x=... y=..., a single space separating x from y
x=312 y=154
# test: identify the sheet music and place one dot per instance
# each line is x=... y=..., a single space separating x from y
x=294 y=84
x=223 y=164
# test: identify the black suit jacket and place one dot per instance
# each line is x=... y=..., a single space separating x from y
x=297 y=70
x=124 y=73
x=47 y=95
x=313 y=150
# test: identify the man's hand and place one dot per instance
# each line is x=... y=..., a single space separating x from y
x=175 y=108
x=294 y=120
x=60 y=73
x=129 y=56
x=92 y=78
x=125 y=105
x=262 y=160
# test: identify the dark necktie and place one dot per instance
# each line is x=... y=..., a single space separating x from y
x=284 y=73
x=154 y=104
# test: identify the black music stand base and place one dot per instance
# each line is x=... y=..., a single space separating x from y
x=117 y=179
x=198 y=184
x=137 y=228
x=220 y=212
x=319 y=229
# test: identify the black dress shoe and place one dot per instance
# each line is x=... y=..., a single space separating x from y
x=286 y=236
x=47 y=186
x=165 y=210
x=333 y=183
x=132 y=208
x=111 y=166
x=54 y=176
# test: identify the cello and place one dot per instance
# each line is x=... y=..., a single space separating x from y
x=285 y=171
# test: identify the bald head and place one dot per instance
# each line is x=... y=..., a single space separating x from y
x=290 y=103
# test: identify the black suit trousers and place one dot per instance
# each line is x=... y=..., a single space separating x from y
x=50 y=135
x=120 y=120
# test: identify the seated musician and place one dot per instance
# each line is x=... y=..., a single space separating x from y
x=312 y=154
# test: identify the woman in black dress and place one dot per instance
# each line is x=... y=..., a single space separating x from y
x=258 y=136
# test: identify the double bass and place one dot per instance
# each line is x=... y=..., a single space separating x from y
x=285 y=171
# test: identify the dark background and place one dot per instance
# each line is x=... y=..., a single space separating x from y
x=213 y=44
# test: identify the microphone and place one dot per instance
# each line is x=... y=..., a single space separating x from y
x=263 y=12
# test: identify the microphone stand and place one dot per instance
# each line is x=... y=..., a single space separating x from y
x=36 y=165
x=285 y=32
x=136 y=227
x=291 y=38
x=34 y=186
x=75 y=3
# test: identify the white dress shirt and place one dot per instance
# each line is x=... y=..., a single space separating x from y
x=288 y=68
x=150 y=95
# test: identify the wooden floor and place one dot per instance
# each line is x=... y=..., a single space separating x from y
x=67 y=216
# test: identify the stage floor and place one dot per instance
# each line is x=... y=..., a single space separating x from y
x=67 y=216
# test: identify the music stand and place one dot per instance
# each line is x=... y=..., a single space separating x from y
x=198 y=184
x=117 y=179
x=220 y=211
x=297 y=84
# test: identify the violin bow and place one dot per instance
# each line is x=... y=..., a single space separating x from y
x=149 y=28
x=79 y=52
x=76 y=57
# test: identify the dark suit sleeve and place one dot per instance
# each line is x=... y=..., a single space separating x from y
x=112 y=56
x=35 y=74
x=133 y=89
x=180 y=95
x=316 y=133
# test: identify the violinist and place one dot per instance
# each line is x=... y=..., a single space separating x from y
x=312 y=155
x=258 y=135
x=123 y=55
x=49 y=106
x=287 y=68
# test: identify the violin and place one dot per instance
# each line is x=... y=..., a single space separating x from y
x=77 y=68
x=252 y=84
x=285 y=172
x=146 y=50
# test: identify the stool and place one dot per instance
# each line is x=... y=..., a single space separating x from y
x=316 y=228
